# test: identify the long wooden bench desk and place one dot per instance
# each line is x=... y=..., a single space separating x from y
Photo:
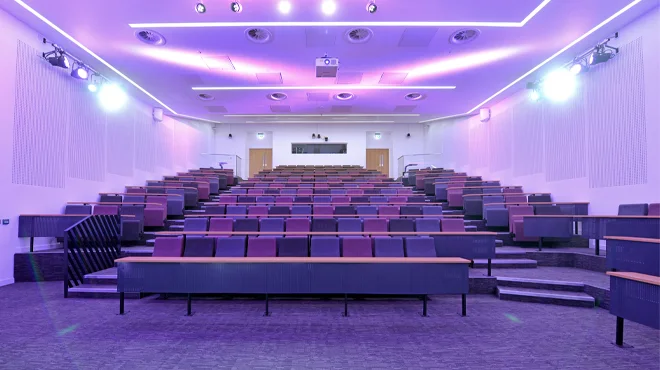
x=297 y=275
x=634 y=297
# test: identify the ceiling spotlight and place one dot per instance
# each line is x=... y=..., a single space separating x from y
x=408 y=134
x=79 y=71
x=284 y=7
x=236 y=7
x=57 y=59
x=328 y=7
x=318 y=136
x=313 y=136
x=559 y=85
x=112 y=97
x=200 y=8
x=600 y=56
x=372 y=7
x=326 y=138
x=577 y=68
x=231 y=136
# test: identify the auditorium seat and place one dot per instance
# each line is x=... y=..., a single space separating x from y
x=284 y=201
x=292 y=246
x=324 y=225
x=246 y=199
x=388 y=247
x=202 y=246
x=343 y=199
x=375 y=225
x=221 y=224
x=410 y=211
x=265 y=200
x=233 y=246
x=402 y=225
x=432 y=211
x=639 y=209
x=539 y=198
x=324 y=211
x=78 y=209
x=246 y=224
x=279 y=210
x=195 y=224
x=291 y=192
x=515 y=198
x=325 y=246
x=417 y=199
x=140 y=198
x=654 y=209
x=349 y=225
x=429 y=225
x=359 y=199
x=109 y=198
x=175 y=202
x=378 y=200
x=106 y=209
x=397 y=200
x=215 y=210
x=131 y=227
x=297 y=224
x=516 y=222
x=271 y=225
x=356 y=246
x=257 y=211
x=168 y=247
x=305 y=210
x=255 y=192
x=452 y=225
x=344 y=210
x=494 y=212
x=236 y=212
x=262 y=247
x=322 y=199
x=366 y=211
x=388 y=211
x=420 y=247
x=226 y=199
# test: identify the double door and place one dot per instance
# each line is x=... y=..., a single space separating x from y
x=260 y=159
x=379 y=160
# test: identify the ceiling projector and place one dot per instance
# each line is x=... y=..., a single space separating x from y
x=327 y=67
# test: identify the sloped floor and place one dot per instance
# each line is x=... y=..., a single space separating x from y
x=40 y=329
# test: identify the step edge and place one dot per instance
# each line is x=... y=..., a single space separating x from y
x=539 y=281
x=543 y=294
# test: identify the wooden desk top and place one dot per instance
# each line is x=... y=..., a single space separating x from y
x=540 y=203
x=502 y=194
x=284 y=204
x=436 y=260
x=325 y=233
x=597 y=216
x=116 y=203
x=158 y=187
x=319 y=216
x=633 y=239
x=636 y=276
x=53 y=215
x=489 y=187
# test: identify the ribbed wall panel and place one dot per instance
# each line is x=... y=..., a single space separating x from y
x=40 y=119
x=617 y=121
x=499 y=140
x=478 y=144
x=86 y=136
x=145 y=142
x=121 y=143
x=527 y=138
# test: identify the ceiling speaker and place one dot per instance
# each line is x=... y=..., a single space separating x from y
x=158 y=114
x=484 y=114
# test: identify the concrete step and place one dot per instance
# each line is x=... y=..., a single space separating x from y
x=193 y=211
x=516 y=282
x=502 y=263
x=508 y=254
x=562 y=298
x=498 y=243
x=99 y=291
x=103 y=277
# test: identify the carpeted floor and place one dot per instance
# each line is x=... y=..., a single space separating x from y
x=41 y=330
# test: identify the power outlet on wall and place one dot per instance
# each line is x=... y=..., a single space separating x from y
x=5 y=221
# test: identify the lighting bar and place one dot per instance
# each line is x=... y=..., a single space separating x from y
x=321 y=115
x=447 y=117
x=320 y=122
x=193 y=118
x=599 y=26
x=83 y=47
x=321 y=87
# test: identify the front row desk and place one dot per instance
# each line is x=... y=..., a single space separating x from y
x=294 y=275
x=592 y=227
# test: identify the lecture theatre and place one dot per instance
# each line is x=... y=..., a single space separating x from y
x=330 y=184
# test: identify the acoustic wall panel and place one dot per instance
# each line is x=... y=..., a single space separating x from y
x=461 y=143
x=40 y=119
x=121 y=143
x=145 y=142
x=527 y=135
x=478 y=154
x=165 y=142
x=499 y=140
x=86 y=134
x=565 y=137
x=617 y=121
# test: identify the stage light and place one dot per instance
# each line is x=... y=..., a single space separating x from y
x=236 y=7
x=558 y=85
x=112 y=97
x=200 y=8
x=372 y=7
x=79 y=71
x=284 y=7
x=328 y=7
x=576 y=69
x=92 y=87
x=600 y=56
x=56 y=59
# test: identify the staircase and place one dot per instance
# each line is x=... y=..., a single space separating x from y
x=100 y=284
x=564 y=293
x=507 y=260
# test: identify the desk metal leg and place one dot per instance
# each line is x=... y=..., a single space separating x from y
x=189 y=305
x=345 y=305
x=598 y=247
x=540 y=244
x=267 y=313
x=619 y=331
x=490 y=265
x=424 y=309
x=121 y=303
x=463 y=304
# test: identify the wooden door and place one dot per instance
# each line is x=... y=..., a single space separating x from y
x=379 y=159
x=260 y=159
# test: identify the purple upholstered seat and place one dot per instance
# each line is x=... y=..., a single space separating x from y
x=246 y=199
x=375 y=225
x=221 y=224
x=378 y=200
x=271 y=225
x=343 y=199
x=246 y=224
x=359 y=199
x=287 y=200
x=397 y=200
x=344 y=210
x=432 y=211
x=236 y=212
x=402 y=225
x=262 y=247
x=416 y=199
x=258 y=211
x=255 y=192
x=266 y=200
x=288 y=192
x=304 y=210
x=412 y=211
x=388 y=211
x=420 y=247
x=297 y=224
x=168 y=247
x=366 y=211
x=226 y=199
x=388 y=191
x=279 y=210
x=516 y=222
x=202 y=246
x=78 y=209
x=388 y=247
x=325 y=246
x=429 y=225
x=639 y=209
x=337 y=191
x=349 y=225
x=326 y=211
x=324 y=225
x=234 y=246
x=452 y=225
x=214 y=210
x=292 y=246
x=322 y=199
x=356 y=246
x=654 y=209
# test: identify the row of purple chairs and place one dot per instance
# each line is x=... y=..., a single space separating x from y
x=324 y=224
x=320 y=246
x=339 y=185
x=318 y=191
x=337 y=199
x=242 y=211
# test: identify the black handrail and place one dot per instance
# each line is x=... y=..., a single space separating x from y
x=90 y=245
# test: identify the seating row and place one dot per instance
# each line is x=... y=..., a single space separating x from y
x=324 y=224
x=327 y=199
x=325 y=185
x=639 y=209
x=242 y=211
x=322 y=191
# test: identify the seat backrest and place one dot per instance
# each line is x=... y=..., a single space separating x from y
x=301 y=210
x=168 y=247
x=402 y=225
x=226 y=199
x=110 y=198
x=78 y=209
x=654 y=209
x=258 y=211
x=195 y=224
x=337 y=191
x=547 y=209
x=264 y=246
x=265 y=199
x=435 y=211
x=420 y=247
x=390 y=211
x=297 y=224
x=106 y=209
x=221 y=224
x=638 y=209
x=305 y=191
x=344 y=210
x=284 y=200
x=237 y=211
x=452 y=225
x=388 y=191
x=343 y=199
x=375 y=224
x=271 y=224
x=162 y=200
x=515 y=198
x=366 y=210
x=322 y=199
x=203 y=246
x=427 y=225
x=279 y=210
x=539 y=198
x=356 y=246
x=255 y=192
x=323 y=210
x=388 y=247
x=354 y=192
x=325 y=246
x=517 y=211
x=349 y=225
x=288 y=192
x=134 y=199
x=397 y=200
x=417 y=199
x=246 y=199
x=324 y=225
x=246 y=224
x=410 y=210
x=378 y=200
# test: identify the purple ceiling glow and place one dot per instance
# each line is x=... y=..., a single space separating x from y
x=517 y=40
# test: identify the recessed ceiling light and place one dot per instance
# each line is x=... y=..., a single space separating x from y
x=200 y=8
x=205 y=97
x=236 y=7
x=415 y=96
x=328 y=7
x=278 y=96
x=344 y=96
x=284 y=7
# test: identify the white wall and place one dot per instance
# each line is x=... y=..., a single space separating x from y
x=358 y=137
x=600 y=146
x=56 y=145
